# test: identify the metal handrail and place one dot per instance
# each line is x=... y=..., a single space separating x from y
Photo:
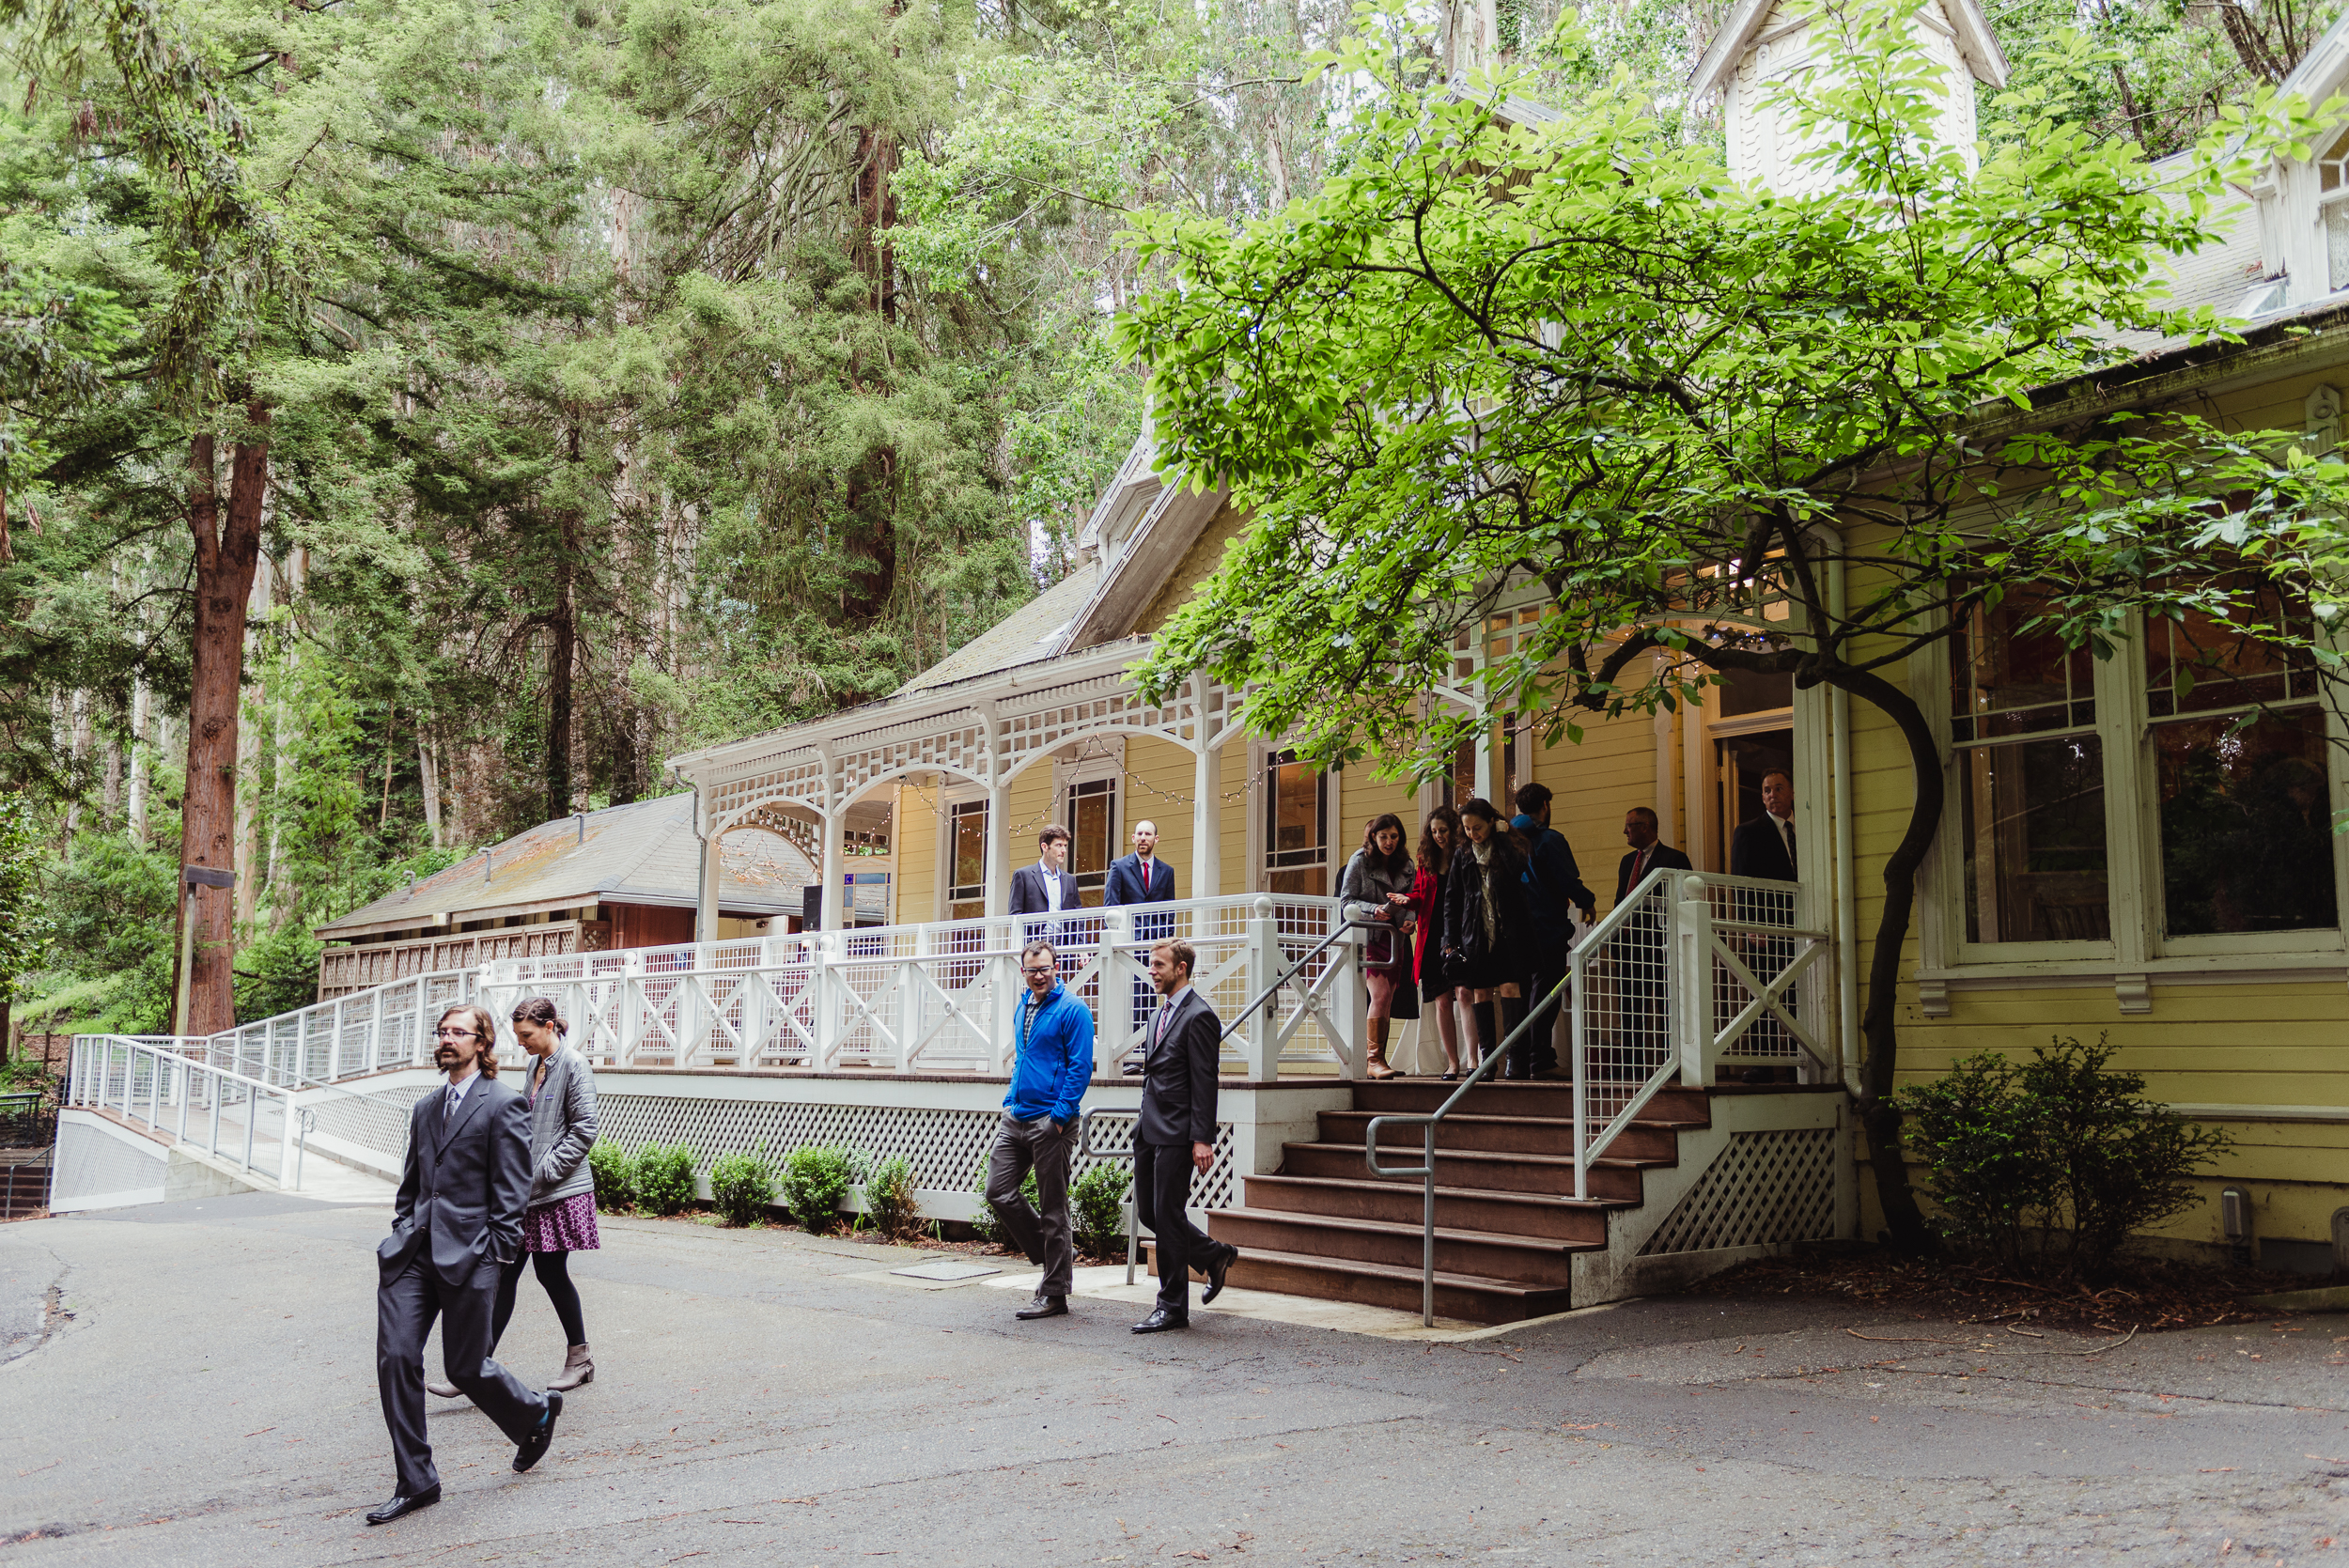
x=162 y=1061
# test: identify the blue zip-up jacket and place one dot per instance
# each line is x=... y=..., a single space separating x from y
x=1056 y=1060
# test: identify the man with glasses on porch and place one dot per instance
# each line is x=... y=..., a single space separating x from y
x=1039 y=1132
x=1046 y=888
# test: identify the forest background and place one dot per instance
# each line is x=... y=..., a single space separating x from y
x=594 y=380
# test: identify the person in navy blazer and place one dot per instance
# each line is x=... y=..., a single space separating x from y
x=1034 y=887
x=1142 y=877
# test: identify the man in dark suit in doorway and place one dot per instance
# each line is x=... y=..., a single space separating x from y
x=1142 y=877
x=1765 y=847
x=455 y=1223
x=1175 y=1136
x=1046 y=888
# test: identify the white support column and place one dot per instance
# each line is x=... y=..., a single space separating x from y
x=1692 y=983
x=706 y=914
x=999 y=849
x=1119 y=970
x=1206 y=821
x=834 y=872
x=1264 y=966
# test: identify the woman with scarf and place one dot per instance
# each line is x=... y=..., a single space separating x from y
x=1485 y=923
x=1379 y=875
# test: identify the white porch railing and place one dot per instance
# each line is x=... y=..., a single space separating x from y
x=240 y=1119
x=944 y=996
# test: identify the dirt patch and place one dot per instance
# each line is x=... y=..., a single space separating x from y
x=2148 y=1295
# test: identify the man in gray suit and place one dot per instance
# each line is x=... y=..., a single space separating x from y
x=455 y=1223
x=1175 y=1136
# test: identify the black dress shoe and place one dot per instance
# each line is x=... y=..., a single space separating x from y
x=399 y=1506
x=1044 y=1306
x=1160 y=1320
x=533 y=1448
x=1217 y=1267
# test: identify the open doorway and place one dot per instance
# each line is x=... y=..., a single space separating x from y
x=1750 y=724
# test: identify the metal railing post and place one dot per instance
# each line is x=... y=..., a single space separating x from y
x=1577 y=977
x=1692 y=976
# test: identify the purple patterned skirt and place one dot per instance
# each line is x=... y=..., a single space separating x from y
x=566 y=1225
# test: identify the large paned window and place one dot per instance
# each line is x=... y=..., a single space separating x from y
x=1297 y=826
x=966 y=857
x=2031 y=782
x=1093 y=833
x=2243 y=800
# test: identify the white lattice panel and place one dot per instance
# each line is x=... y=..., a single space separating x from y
x=945 y=1146
x=1764 y=1188
x=377 y=1121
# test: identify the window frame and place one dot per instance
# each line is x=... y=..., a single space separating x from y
x=1263 y=757
x=956 y=804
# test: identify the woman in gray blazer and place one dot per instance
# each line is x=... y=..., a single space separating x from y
x=559 y=1218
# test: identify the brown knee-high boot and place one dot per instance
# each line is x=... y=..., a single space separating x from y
x=1375 y=1067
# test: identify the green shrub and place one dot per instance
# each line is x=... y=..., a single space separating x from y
x=814 y=1179
x=889 y=1201
x=1096 y=1209
x=742 y=1185
x=664 y=1178
x=615 y=1178
x=2046 y=1167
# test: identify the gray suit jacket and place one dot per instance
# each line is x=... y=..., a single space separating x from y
x=462 y=1186
x=562 y=1127
x=1179 y=1077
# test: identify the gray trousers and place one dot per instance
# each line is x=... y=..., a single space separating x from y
x=1041 y=1231
x=405 y=1307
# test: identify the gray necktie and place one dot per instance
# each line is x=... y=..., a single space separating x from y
x=449 y=1106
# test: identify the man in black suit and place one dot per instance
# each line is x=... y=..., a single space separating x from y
x=1142 y=877
x=455 y=1223
x=1175 y=1136
x=1765 y=847
x=1046 y=888
x=1647 y=853
x=1639 y=955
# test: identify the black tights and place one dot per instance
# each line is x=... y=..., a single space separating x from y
x=554 y=1272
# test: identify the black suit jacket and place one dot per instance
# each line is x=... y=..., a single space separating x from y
x=1027 y=892
x=1663 y=857
x=1178 y=1076
x=1125 y=881
x=462 y=1186
x=1756 y=850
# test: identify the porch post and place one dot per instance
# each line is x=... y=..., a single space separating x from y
x=834 y=871
x=1693 y=981
x=998 y=850
x=1206 y=821
x=706 y=913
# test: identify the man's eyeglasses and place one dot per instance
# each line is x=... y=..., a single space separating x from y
x=1038 y=969
x=456 y=1034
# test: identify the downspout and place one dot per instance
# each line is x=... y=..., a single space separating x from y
x=1846 y=894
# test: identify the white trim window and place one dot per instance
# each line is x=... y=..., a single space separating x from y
x=964 y=851
x=1294 y=838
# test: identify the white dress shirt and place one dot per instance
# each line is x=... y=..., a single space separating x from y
x=1051 y=886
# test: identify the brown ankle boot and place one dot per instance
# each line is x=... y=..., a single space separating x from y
x=576 y=1369
x=1376 y=1064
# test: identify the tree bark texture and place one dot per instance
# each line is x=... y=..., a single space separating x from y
x=228 y=550
x=562 y=656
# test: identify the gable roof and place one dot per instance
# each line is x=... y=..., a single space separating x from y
x=1977 y=44
x=645 y=852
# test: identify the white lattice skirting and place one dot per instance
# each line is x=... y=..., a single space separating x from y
x=1765 y=1189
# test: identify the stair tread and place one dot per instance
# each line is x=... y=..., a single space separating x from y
x=1503 y=1155
x=1474 y=1194
x=1482 y=1118
x=1391 y=1227
x=1483 y=1283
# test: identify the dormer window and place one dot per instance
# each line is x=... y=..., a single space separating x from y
x=2332 y=195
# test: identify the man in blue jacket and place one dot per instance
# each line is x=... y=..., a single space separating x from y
x=1039 y=1130
x=1553 y=889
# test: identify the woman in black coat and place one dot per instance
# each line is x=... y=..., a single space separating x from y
x=1487 y=924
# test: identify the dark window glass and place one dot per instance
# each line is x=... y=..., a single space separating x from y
x=1746 y=692
x=1092 y=828
x=2201 y=665
x=1297 y=842
x=2246 y=840
x=2010 y=682
x=966 y=895
x=2034 y=823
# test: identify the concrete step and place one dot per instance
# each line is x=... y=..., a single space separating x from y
x=1483 y=1254
x=1530 y=1135
x=1537 y=1216
x=1612 y=1176
x=1474 y=1297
